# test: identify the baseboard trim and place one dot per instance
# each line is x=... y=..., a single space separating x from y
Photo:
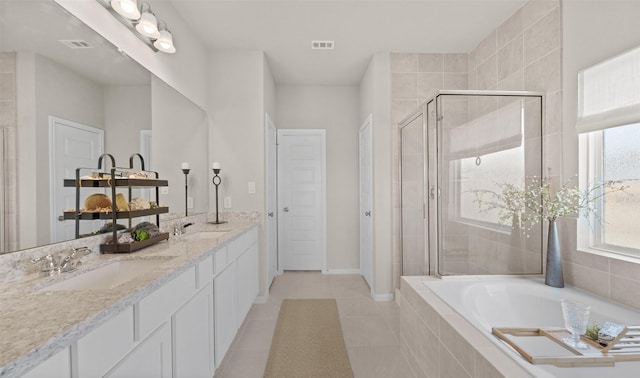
x=341 y=271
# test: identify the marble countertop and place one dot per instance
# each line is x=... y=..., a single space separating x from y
x=36 y=323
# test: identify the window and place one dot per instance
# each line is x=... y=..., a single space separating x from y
x=609 y=123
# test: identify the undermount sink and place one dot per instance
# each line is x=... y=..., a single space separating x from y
x=106 y=277
x=207 y=234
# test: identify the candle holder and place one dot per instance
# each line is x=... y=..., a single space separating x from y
x=186 y=190
x=216 y=182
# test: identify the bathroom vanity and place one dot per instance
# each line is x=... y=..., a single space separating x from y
x=172 y=309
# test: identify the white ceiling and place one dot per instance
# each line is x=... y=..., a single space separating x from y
x=39 y=25
x=284 y=30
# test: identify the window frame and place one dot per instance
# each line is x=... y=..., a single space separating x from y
x=591 y=230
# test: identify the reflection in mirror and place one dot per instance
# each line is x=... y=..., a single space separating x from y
x=68 y=95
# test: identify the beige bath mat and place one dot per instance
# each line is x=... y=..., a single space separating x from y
x=307 y=341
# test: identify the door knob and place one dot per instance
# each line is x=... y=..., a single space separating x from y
x=367 y=213
x=270 y=214
x=286 y=209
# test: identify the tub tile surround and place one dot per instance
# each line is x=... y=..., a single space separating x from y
x=438 y=342
x=39 y=324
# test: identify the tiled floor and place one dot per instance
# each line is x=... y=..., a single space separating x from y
x=371 y=329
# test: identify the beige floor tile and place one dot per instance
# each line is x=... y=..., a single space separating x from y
x=370 y=328
x=357 y=289
x=244 y=364
x=264 y=311
x=378 y=362
x=372 y=331
x=256 y=335
x=388 y=309
x=357 y=307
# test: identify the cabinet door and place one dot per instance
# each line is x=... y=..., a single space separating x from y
x=59 y=365
x=247 y=281
x=152 y=358
x=226 y=325
x=193 y=336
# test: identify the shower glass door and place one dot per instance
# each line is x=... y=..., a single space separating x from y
x=415 y=259
x=486 y=145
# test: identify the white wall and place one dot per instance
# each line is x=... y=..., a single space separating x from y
x=240 y=91
x=185 y=70
x=335 y=109
x=236 y=112
x=47 y=89
x=183 y=138
x=375 y=100
x=127 y=110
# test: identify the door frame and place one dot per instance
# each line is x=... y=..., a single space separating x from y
x=323 y=164
x=271 y=127
x=367 y=123
x=52 y=164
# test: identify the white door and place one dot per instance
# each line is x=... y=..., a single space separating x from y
x=271 y=206
x=366 y=216
x=72 y=146
x=301 y=199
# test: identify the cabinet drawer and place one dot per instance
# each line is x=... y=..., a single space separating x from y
x=158 y=306
x=238 y=246
x=205 y=272
x=101 y=349
x=220 y=260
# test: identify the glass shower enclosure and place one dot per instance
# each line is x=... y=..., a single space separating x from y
x=458 y=152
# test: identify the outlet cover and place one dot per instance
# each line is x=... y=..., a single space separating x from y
x=227 y=202
x=164 y=190
x=252 y=187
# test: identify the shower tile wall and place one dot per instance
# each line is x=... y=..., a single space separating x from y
x=414 y=77
x=524 y=53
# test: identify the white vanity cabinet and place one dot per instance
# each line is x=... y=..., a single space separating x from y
x=235 y=289
x=152 y=358
x=193 y=336
x=59 y=365
x=181 y=329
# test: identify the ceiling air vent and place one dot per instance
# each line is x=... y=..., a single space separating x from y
x=322 y=45
x=76 y=44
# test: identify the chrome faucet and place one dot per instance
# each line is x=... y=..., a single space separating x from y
x=72 y=260
x=180 y=229
x=52 y=266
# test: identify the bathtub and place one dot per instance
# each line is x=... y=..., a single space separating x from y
x=513 y=301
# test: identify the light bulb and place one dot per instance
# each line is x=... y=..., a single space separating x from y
x=148 y=25
x=126 y=8
x=165 y=42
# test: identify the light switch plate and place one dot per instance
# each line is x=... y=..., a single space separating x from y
x=227 y=202
x=252 y=187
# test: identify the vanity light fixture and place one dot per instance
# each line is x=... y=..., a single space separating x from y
x=148 y=24
x=154 y=34
x=165 y=42
x=126 y=8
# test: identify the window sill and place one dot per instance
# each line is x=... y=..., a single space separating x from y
x=610 y=255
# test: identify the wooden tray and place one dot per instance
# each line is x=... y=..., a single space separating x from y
x=132 y=247
x=625 y=347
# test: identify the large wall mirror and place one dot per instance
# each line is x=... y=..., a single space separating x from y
x=59 y=76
